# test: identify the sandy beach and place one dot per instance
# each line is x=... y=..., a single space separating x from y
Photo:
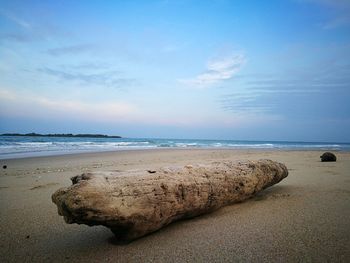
x=305 y=218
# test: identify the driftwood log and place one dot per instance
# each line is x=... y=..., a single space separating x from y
x=135 y=203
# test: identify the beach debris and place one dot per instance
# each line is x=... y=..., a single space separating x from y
x=328 y=157
x=135 y=203
x=4 y=166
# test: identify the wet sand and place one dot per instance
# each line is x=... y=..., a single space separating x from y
x=304 y=218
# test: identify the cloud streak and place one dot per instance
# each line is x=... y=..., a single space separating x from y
x=105 y=79
x=217 y=70
x=340 y=12
x=68 y=50
x=15 y=19
x=30 y=28
x=15 y=37
x=266 y=94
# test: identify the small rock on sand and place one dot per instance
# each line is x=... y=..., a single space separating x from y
x=328 y=157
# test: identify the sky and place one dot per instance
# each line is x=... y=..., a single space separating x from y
x=220 y=69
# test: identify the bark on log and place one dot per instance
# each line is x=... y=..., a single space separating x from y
x=135 y=203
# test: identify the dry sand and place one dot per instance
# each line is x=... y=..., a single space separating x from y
x=305 y=218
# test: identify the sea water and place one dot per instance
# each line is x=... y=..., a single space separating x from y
x=26 y=146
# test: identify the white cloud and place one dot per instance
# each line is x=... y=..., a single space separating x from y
x=217 y=70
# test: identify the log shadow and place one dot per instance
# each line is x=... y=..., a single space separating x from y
x=113 y=240
x=277 y=192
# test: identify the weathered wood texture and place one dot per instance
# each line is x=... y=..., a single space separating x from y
x=135 y=203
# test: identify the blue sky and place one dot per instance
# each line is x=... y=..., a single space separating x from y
x=263 y=70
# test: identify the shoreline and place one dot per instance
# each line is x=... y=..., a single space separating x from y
x=14 y=156
x=21 y=147
x=303 y=218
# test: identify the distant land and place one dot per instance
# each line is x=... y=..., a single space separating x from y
x=32 y=134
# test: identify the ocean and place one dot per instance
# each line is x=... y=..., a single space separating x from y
x=18 y=146
x=26 y=146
